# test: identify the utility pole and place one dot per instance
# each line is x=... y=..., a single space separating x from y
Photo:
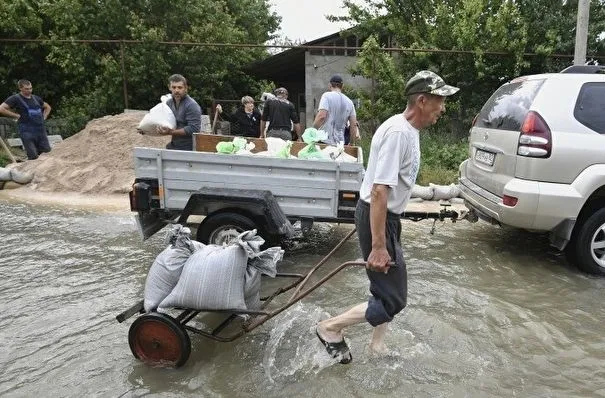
x=581 y=32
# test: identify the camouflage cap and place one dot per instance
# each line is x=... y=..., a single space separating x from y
x=429 y=82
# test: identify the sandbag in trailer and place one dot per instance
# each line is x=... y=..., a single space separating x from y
x=225 y=277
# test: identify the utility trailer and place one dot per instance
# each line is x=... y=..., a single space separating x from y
x=236 y=193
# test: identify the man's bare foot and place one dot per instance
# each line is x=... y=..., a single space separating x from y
x=378 y=349
x=331 y=336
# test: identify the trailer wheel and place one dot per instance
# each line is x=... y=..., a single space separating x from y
x=222 y=228
x=159 y=340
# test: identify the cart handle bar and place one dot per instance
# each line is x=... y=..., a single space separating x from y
x=256 y=322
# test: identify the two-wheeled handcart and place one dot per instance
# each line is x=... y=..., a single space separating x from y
x=159 y=339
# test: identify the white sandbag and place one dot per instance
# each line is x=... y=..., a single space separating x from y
x=5 y=174
x=21 y=177
x=259 y=263
x=444 y=192
x=212 y=279
x=159 y=116
x=275 y=144
x=338 y=154
x=166 y=269
x=421 y=192
x=224 y=277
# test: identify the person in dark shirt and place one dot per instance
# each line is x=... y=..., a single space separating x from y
x=31 y=112
x=281 y=115
x=245 y=121
x=187 y=112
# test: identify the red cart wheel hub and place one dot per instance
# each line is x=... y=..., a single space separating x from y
x=159 y=340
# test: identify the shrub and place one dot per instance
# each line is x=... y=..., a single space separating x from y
x=442 y=153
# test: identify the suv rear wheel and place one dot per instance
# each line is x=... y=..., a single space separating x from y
x=587 y=248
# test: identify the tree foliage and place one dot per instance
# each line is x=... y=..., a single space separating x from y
x=496 y=34
x=84 y=80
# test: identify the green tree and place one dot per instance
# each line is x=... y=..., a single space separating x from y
x=84 y=80
x=496 y=34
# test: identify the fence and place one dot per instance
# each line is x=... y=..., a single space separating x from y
x=8 y=127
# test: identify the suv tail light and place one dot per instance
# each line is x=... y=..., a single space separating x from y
x=535 y=140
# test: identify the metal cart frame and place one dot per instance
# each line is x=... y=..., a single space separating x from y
x=159 y=339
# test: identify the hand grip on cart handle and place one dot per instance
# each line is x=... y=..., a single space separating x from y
x=365 y=264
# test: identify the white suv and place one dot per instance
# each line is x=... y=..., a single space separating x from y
x=537 y=160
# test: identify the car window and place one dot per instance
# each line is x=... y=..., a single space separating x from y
x=590 y=107
x=507 y=107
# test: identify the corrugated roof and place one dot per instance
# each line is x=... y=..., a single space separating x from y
x=286 y=66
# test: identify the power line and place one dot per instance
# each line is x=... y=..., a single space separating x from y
x=283 y=46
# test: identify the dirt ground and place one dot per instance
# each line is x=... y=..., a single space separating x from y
x=93 y=168
x=96 y=161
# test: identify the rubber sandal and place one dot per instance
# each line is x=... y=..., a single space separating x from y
x=335 y=350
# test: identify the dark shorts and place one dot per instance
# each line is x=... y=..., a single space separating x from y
x=389 y=291
x=283 y=134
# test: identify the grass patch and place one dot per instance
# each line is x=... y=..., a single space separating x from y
x=4 y=160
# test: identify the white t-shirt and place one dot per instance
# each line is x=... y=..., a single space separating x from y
x=339 y=108
x=394 y=161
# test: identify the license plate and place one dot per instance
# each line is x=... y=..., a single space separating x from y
x=485 y=157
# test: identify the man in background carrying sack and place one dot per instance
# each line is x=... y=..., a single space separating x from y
x=32 y=111
x=187 y=112
x=335 y=110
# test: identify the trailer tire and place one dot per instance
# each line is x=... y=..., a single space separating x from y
x=159 y=340
x=223 y=227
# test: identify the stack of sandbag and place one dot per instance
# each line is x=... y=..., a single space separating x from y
x=166 y=269
x=225 y=277
x=445 y=192
x=424 y=193
x=436 y=192
x=12 y=175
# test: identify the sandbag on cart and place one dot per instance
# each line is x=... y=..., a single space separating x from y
x=166 y=269
x=224 y=277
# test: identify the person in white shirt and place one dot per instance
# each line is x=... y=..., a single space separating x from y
x=335 y=110
x=386 y=188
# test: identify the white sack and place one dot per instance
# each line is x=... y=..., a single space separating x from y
x=275 y=144
x=159 y=116
x=338 y=154
x=444 y=192
x=426 y=193
x=21 y=177
x=212 y=279
x=225 y=277
x=166 y=269
x=5 y=174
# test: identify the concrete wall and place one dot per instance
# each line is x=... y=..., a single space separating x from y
x=318 y=70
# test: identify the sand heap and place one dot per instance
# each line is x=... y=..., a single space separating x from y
x=97 y=160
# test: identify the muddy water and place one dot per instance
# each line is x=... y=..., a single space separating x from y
x=491 y=312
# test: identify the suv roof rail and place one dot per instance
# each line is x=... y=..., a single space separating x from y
x=584 y=69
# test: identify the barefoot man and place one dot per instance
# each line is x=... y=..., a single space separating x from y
x=386 y=188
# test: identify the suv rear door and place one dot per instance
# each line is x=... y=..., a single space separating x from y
x=494 y=137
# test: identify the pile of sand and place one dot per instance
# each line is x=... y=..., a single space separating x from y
x=97 y=160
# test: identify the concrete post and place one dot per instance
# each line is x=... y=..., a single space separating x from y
x=581 y=32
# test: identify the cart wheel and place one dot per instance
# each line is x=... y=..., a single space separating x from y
x=159 y=340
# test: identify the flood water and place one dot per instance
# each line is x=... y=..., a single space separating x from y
x=491 y=312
